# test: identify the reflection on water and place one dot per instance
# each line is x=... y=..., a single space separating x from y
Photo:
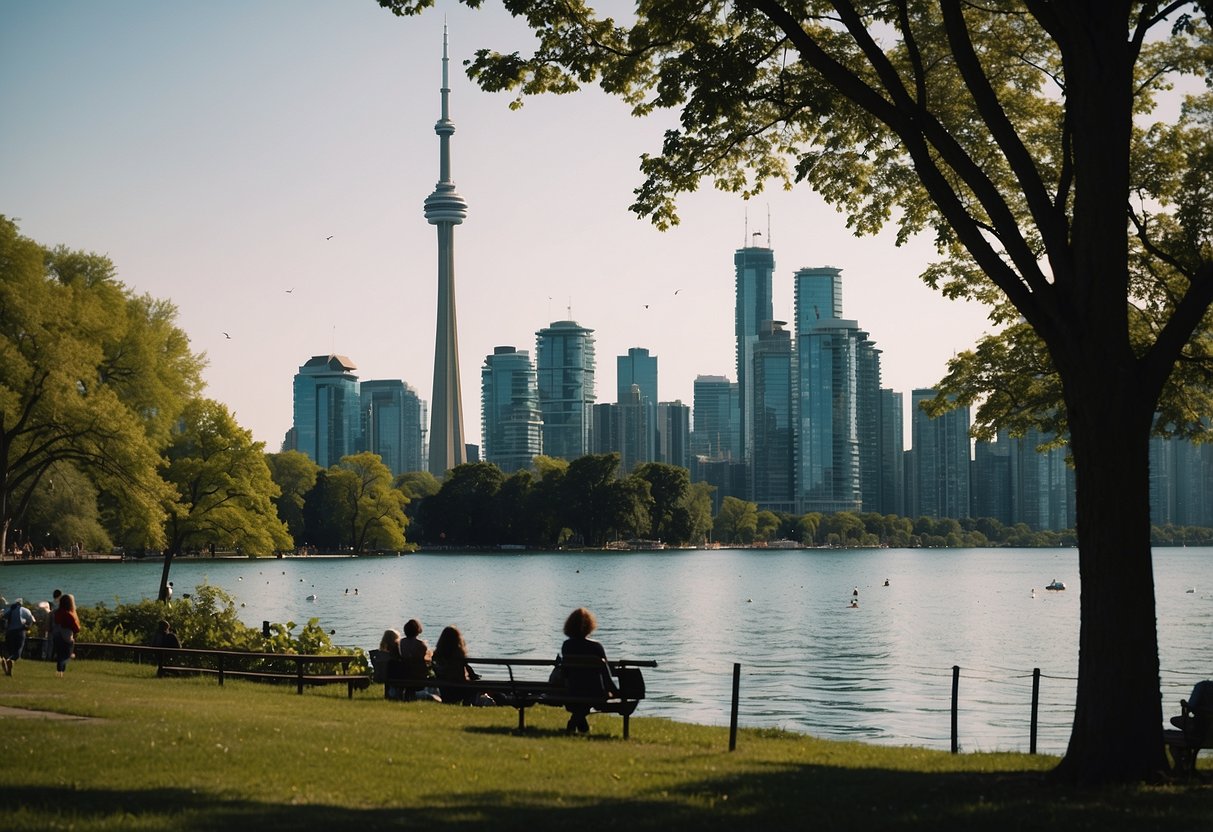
x=880 y=673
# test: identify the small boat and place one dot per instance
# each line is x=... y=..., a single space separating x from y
x=1056 y=585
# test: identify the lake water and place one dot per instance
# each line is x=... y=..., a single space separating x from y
x=809 y=662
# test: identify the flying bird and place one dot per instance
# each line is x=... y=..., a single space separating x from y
x=288 y=291
x=676 y=291
x=228 y=337
x=329 y=237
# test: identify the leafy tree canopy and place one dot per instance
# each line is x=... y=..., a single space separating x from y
x=223 y=485
x=91 y=376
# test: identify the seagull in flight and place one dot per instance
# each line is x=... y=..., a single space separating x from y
x=676 y=291
x=288 y=291
x=228 y=337
x=329 y=237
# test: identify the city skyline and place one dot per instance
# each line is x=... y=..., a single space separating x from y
x=272 y=193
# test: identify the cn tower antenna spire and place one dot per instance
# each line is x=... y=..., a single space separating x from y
x=445 y=209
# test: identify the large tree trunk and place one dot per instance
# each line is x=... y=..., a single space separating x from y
x=1117 y=731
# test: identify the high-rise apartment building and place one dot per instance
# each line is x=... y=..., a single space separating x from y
x=564 y=359
x=754 y=266
x=868 y=414
x=511 y=424
x=393 y=418
x=327 y=413
x=1042 y=484
x=638 y=368
x=674 y=434
x=445 y=209
x=941 y=467
x=715 y=431
x=773 y=461
x=837 y=398
x=892 y=454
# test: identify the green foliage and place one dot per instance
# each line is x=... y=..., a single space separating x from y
x=294 y=473
x=207 y=620
x=737 y=521
x=457 y=514
x=327 y=512
x=223 y=485
x=378 y=520
x=91 y=376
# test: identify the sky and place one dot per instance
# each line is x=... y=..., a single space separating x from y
x=263 y=163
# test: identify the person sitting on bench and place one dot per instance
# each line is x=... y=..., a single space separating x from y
x=584 y=681
x=451 y=665
x=414 y=657
x=1201 y=699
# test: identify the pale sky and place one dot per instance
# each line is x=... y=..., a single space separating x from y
x=211 y=149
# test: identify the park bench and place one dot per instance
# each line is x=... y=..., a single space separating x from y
x=1186 y=742
x=505 y=681
x=291 y=668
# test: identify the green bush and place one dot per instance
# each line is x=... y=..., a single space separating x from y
x=206 y=620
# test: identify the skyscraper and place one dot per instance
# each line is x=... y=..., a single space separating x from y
x=326 y=403
x=639 y=368
x=392 y=426
x=445 y=209
x=892 y=454
x=509 y=410
x=674 y=434
x=715 y=432
x=838 y=389
x=941 y=460
x=773 y=461
x=564 y=360
x=754 y=266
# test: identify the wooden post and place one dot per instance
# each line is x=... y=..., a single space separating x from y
x=733 y=717
x=1035 y=707
x=955 y=699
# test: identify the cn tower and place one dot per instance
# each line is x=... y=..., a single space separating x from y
x=445 y=208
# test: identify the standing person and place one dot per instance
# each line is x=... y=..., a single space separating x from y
x=451 y=665
x=48 y=640
x=594 y=681
x=67 y=625
x=16 y=621
x=414 y=656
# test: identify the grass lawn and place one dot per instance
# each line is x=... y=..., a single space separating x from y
x=141 y=753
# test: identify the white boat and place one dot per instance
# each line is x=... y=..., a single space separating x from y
x=1056 y=585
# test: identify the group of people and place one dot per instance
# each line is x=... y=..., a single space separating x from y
x=57 y=621
x=411 y=658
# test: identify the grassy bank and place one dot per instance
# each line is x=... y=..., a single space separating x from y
x=140 y=753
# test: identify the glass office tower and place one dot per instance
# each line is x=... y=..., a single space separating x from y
x=511 y=425
x=393 y=424
x=564 y=358
x=327 y=409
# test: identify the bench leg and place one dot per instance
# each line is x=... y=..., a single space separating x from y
x=522 y=719
x=626 y=720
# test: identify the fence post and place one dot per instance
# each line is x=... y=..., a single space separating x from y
x=955 y=698
x=1035 y=707
x=733 y=717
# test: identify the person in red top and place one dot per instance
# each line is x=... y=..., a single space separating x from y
x=67 y=625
